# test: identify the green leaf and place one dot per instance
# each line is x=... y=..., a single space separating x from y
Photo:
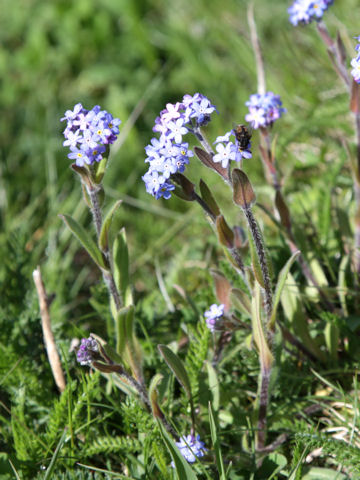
x=86 y=241
x=153 y=395
x=342 y=287
x=241 y=301
x=279 y=287
x=292 y=306
x=216 y=444
x=121 y=267
x=207 y=196
x=332 y=335
x=213 y=385
x=177 y=366
x=104 y=233
x=51 y=466
x=183 y=469
x=318 y=473
x=266 y=357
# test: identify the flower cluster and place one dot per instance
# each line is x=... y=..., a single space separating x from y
x=213 y=315
x=87 y=132
x=228 y=150
x=264 y=109
x=86 y=350
x=355 y=63
x=191 y=447
x=169 y=154
x=304 y=11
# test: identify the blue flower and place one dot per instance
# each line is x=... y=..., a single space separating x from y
x=86 y=350
x=87 y=133
x=264 y=109
x=304 y=11
x=355 y=63
x=191 y=447
x=168 y=154
x=228 y=150
x=213 y=315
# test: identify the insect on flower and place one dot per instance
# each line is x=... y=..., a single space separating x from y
x=243 y=135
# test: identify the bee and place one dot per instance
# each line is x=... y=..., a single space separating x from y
x=242 y=135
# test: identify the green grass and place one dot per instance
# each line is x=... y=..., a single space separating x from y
x=132 y=58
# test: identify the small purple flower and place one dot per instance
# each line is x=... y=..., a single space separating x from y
x=228 y=150
x=355 y=72
x=355 y=63
x=304 y=11
x=87 y=133
x=86 y=350
x=191 y=447
x=169 y=154
x=213 y=315
x=264 y=109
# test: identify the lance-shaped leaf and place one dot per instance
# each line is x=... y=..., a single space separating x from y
x=342 y=287
x=279 y=288
x=100 y=170
x=153 y=396
x=104 y=233
x=266 y=357
x=283 y=210
x=255 y=261
x=86 y=241
x=84 y=174
x=241 y=301
x=216 y=445
x=222 y=288
x=121 y=267
x=186 y=190
x=332 y=336
x=225 y=234
x=292 y=305
x=207 y=160
x=214 y=385
x=183 y=469
x=208 y=198
x=127 y=345
x=106 y=351
x=243 y=193
x=177 y=366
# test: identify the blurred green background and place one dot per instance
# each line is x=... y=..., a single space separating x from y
x=132 y=57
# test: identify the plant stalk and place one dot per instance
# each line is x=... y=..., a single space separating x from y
x=261 y=253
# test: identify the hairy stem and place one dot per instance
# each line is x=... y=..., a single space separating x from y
x=263 y=405
x=107 y=275
x=260 y=250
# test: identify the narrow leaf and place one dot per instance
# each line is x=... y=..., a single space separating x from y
x=283 y=210
x=222 y=288
x=241 y=301
x=51 y=466
x=216 y=444
x=86 y=241
x=121 y=267
x=183 y=469
x=104 y=234
x=266 y=357
x=207 y=196
x=213 y=385
x=279 y=287
x=177 y=366
x=225 y=234
x=207 y=160
x=342 y=287
x=153 y=395
x=243 y=193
